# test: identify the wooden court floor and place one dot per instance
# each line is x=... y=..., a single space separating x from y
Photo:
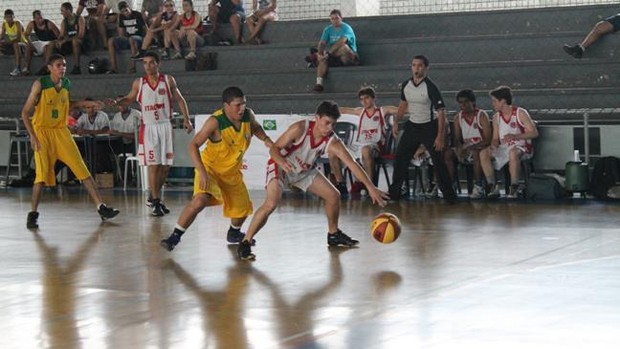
x=471 y=275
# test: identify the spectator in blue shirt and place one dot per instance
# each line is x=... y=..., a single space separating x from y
x=336 y=48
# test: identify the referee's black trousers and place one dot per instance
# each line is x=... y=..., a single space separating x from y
x=410 y=140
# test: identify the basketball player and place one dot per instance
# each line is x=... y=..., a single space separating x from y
x=50 y=138
x=472 y=133
x=292 y=161
x=154 y=92
x=369 y=140
x=218 y=179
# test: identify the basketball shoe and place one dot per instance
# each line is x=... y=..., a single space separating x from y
x=235 y=236
x=31 y=222
x=106 y=212
x=340 y=239
x=244 y=251
x=575 y=50
x=149 y=203
x=170 y=243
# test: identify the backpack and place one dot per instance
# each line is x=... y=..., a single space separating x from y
x=544 y=187
x=203 y=61
x=605 y=175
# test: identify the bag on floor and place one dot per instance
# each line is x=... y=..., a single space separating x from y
x=606 y=174
x=544 y=187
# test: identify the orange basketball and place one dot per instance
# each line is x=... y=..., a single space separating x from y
x=385 y=228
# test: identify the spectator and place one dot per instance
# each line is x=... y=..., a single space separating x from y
x=227 y=11
x=608 y=25
x=369 y=140
x=46 y=33
x=12 y=39
x=71 y=39
x=152 y=9
x=92 y=122
x=336 y=48
x=131 y=31
x=264 y=11
x=472 y=133
x=95 y=20
x=167 y=23
x=190 y=30
x=426 y=125
x=112 y=13
x=513 y=131
x=124 y=124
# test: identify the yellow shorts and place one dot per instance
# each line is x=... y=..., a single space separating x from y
x=228 y=189
x=57 y=144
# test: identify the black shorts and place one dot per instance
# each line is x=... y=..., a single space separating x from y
x=615 y=21
x=227 y=9
x=334 y=61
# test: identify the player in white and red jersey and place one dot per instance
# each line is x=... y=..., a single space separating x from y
x=369 y=139
x=472 y=133
x=513 y=131
x=155 y=92
x=292 y=162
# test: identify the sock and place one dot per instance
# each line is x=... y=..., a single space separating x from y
x=234 y=227
x=99 y=206
x=179 y=230
x=582 y=48
x=319 y=81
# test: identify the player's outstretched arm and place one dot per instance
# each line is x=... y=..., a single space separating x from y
x=129 y=98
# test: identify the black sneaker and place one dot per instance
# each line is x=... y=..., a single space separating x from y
x=342 y=188
x=170 y=242
x=244 y=251
x=340 y=239
x=575 y=50
x=106 y=212
x=235 y=236
x=31 y=222
x=164 y=208
x=158 y=211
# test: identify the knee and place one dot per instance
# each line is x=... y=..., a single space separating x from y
x=333 y=197
x=603 y=27
x=514 y=155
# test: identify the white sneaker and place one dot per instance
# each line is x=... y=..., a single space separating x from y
x=191 y=56
x=494 y=192
x=25 y=71
x=477 y=193
x=432 y=193
x=16 y=72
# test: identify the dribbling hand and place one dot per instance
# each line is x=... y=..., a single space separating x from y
x=378 y=197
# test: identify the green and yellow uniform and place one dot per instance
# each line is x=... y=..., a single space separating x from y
x=50 y=126
x=223 y=161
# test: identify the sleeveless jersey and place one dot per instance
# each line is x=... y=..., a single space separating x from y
x=512 y=125
x=187 y=22
x=303 y=153
x=11 y=31
x=227 y=154
x=53 y=106
x=371 y=128
x=44 y=34
x=155 y=101
x=471 y=128
x=72 y=28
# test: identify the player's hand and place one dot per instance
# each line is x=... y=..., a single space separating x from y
x=378 y=197
x=34 y=143
x=187 y=124
x=287 y=167
x=439 y=143
x=203 y=184
x=509 y=137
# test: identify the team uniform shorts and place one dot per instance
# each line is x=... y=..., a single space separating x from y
x=501 y=155
x=227 y=189
x=156 y=144
x=57 y=144
x=356 y=149
x=302 y=180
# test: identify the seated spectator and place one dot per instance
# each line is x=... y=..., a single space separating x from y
x=513 y=131
x=227 y=11
x=131 y=31
x=336 y=48
x=264 y=11
x=608 y=25
x=472 y=133
x=124 y=124
x=167 y=23
x=46 y=32
x=190 y=30
x=92 y=122
x=152 y=9
x=369 y=140
x=13 y=40
x=95 y=20
x=72 y=32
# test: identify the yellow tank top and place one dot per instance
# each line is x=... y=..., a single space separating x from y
x=53 y=106
x=11 y=31
x=227 y=154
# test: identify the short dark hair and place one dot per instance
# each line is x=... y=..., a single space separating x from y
x=424 y=59
x=9 y=12
x=230 y=93
x=190 y=2
x=502 y=92
x=336 y=12
x=366 y=91
x=329 y=109
x=467 y=94
x=67 y=6
x=36 y=13
x=122 y=5
x=54 y=57
x=154 y=55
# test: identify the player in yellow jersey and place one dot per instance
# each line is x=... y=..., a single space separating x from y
x=218 y=177
x=50 y=138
